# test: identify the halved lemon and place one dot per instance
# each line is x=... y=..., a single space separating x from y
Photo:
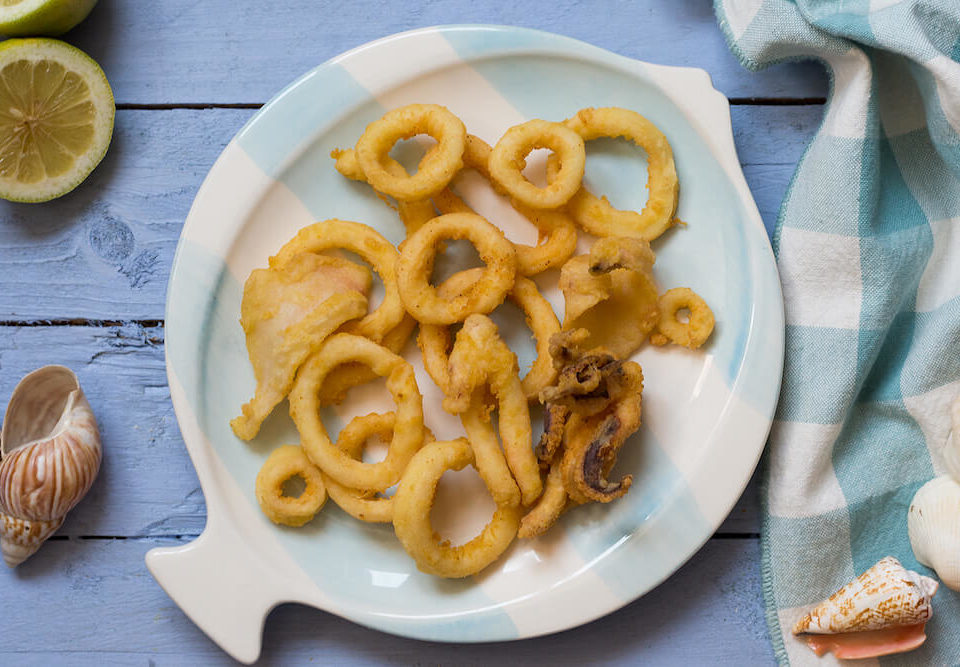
x=19 y=18
x=56 y=118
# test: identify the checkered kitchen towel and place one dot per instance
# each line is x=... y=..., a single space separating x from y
x=868 y=247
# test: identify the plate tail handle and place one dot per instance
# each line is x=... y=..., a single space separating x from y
x=221 y=586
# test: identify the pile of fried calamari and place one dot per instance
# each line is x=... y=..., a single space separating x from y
x=311 y=334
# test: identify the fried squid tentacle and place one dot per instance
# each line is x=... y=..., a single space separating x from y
x=590 y=411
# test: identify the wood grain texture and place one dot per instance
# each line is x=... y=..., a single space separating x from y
x=224 y=51
x=147 y=485
x=93 y=603
x=104 y=251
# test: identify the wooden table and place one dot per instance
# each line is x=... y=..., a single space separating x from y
x=82 y=283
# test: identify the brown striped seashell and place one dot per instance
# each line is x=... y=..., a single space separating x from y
x=883 y=611
x=49 y=457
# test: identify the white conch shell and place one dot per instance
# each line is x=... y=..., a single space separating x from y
x=886 y=595
x=933 y=520
x=50 y=448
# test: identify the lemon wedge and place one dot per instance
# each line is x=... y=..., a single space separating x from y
x=41 y=17
x=56 y=118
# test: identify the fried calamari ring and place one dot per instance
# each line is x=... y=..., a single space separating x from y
x=411 y=516
x=363 y=505
x=352 y=374
x=694 y=332
x=434 y=343
x=434 y=339
x=508 y=159
x=557 y=234
x=413 y=214
x=436 y=169
x=481 y=359
x=491 y=463
x=416 y=264
x=377 y=251
x=283 y=464
x=408 y=433
x=597 y=215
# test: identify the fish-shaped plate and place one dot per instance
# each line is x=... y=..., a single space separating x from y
x=706 y=414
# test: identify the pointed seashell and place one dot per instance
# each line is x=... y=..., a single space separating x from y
x=887 y=594
x=880 y=612
x=50 y=448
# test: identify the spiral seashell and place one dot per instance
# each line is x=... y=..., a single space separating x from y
x=50 y=449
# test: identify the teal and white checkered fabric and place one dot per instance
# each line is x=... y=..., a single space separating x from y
x=868 y=247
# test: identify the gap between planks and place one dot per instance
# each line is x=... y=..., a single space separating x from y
x=736 y=101
x=189 y=537
x=81 y=322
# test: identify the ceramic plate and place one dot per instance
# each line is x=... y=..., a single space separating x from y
x=706 y=413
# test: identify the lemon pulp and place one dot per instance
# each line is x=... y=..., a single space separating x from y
x=56 y=118
x=46 y=120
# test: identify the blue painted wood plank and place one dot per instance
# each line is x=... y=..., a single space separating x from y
x=92 y=602
x=228 y=51
x=147 y=485
x=104 y=251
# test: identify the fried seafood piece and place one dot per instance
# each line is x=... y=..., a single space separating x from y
x=612 y=294
x=363 y=505
x=434 y=340
x=411 y=516
x=509 y=157
x=415 y=267
x=368 y=244
x=387 y=324
x=436 y=169
x=413 y=214
x=287 y=311
x=352 y=374
x=590 y=411
x=480 y=360
x=284 y=464
x=595 y=214
x=408 y=428
x=694 y=332
x=593 y=442
x=549 y=507
x=557 y=234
